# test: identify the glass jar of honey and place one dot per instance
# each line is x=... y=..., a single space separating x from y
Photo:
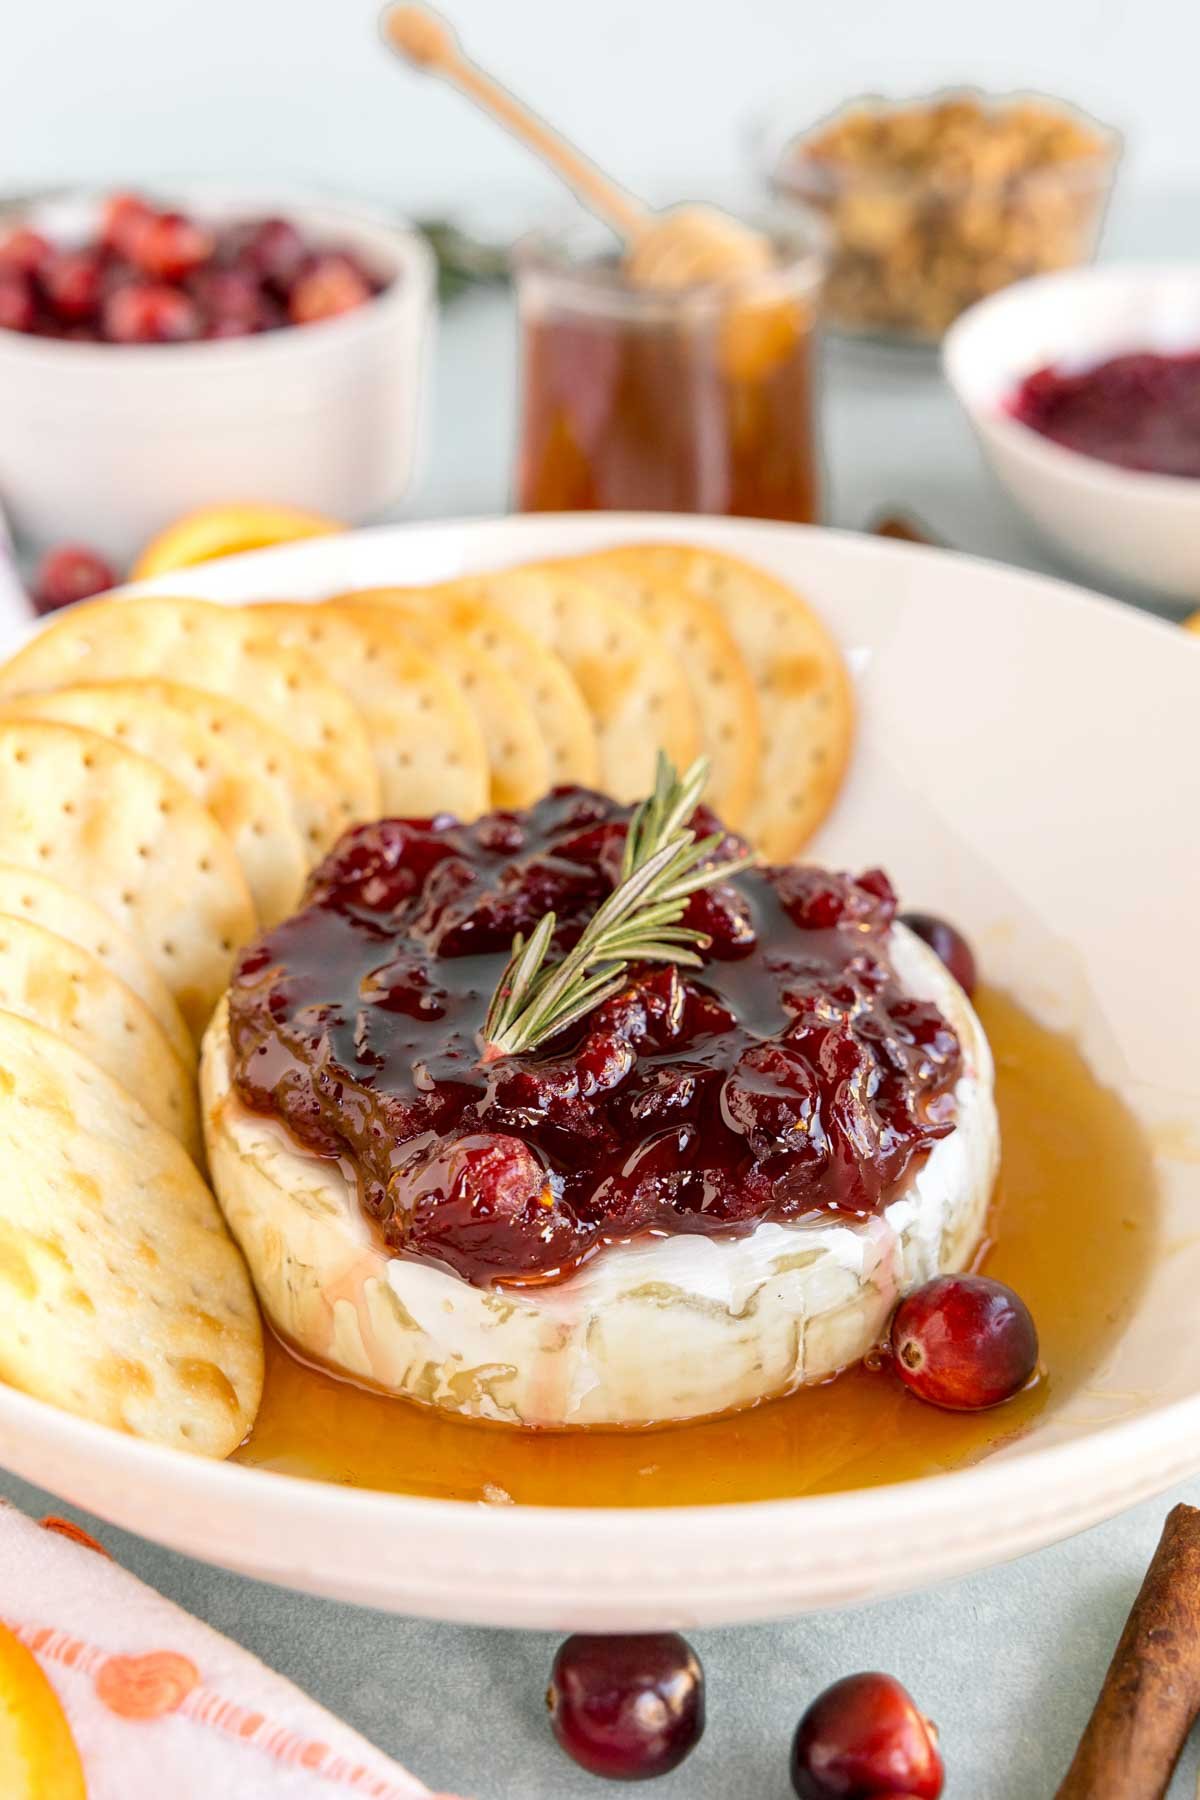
x=694 y=399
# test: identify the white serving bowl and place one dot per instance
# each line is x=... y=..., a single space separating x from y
x=996 y=780
x=1143 y=529
x=107 y=443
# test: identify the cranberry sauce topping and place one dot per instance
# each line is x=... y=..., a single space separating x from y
x=1140 y=411
x=790 y=1074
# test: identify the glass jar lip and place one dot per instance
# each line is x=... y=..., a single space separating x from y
x=773 y=131
x=567 y=260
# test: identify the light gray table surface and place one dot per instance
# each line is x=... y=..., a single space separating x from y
x=1009 y=1661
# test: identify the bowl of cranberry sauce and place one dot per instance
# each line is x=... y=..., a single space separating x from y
x=672 y=1107
x=1084 y=392
x=161 y=352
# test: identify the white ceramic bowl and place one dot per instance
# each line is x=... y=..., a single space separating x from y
x=108 y=443
x=994 y=778
x=1143 y=529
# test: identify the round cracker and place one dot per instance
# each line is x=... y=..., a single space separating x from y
x=221 y=649
x=702 y=645
x=116 y=827
x=517 y=754
x=28 y=894
x=561 y=711
x=125 y=1300
x=145 y=716
x=238 y=738
x=804 y=690
x=638 y=698
x=428 y=748
x=52 y=981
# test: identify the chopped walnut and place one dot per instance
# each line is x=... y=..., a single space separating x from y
x=934 y=204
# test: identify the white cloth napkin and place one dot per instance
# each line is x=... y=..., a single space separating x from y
x=158 y=1703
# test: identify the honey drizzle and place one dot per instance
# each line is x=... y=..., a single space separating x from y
x=1072 y=1228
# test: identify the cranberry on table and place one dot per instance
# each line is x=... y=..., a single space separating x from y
x=864 y=1738
x=947 y=943
x=628 y=1708
x=69 y=573
x=150 y=312
x=964 y=1342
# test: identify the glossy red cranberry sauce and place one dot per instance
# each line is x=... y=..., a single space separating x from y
x=791 y=1074
x=1140 y=411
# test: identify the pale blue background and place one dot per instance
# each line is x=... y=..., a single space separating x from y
x=1010 y=1661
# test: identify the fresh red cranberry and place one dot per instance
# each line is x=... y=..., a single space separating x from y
x=947 y=943
x=124 y=217
x=24 y=250
x=964 y=1342
x=146 y=312
x=628 y=1708
x=230 y=300
x=169 y=246
x=18 y=308
x=864 y=1739
x=274 y=250
x=331 y=286
x=69 y=573
x=71 y=282
x=485 y=1197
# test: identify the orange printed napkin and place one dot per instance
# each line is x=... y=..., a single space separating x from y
x=158 y=1703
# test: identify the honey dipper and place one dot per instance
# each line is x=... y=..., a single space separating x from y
x=678 y=248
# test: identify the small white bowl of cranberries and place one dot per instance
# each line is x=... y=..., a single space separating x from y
x=155 y=357
x=1084 y=392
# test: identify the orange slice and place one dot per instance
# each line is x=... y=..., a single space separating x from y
x=38 y=1758
x=1193 y=623
x=226 y=531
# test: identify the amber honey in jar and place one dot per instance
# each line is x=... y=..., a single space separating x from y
x=695 y=399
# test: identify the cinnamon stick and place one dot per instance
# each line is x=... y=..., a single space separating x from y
x=1151 y=1693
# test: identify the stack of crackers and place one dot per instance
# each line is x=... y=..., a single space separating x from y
x=170 y=770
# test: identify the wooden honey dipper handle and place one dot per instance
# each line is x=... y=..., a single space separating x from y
x=428 y=42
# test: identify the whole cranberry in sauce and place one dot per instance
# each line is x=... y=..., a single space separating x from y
x=947 y=943
x=964 y=1342
x=69 y=573
x=865 y=1739
x=627 y=1708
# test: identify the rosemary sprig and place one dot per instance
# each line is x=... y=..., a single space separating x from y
x=663 y=864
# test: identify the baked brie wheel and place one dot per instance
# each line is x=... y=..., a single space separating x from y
x=657 y=1330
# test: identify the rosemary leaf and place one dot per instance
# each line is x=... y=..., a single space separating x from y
x=663 y=865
